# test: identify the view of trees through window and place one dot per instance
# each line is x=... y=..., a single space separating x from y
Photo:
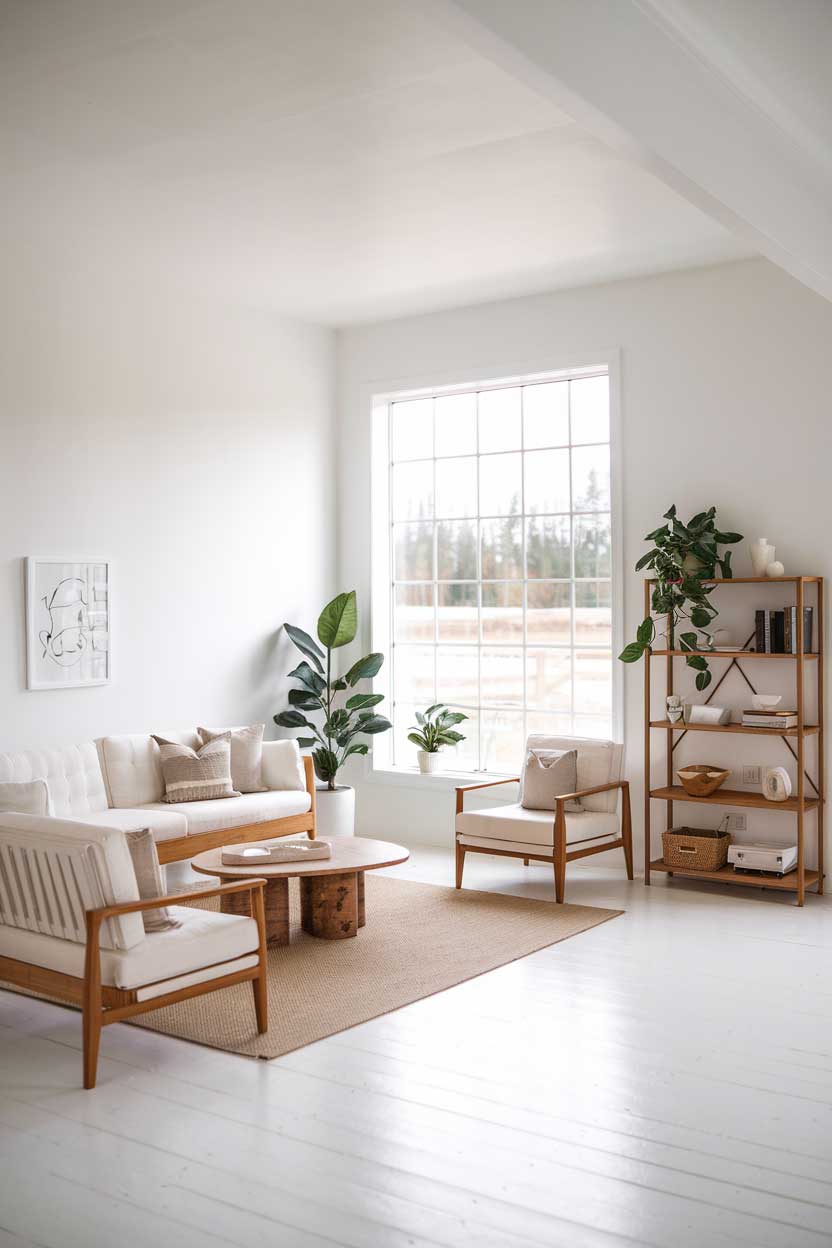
x=501 y=564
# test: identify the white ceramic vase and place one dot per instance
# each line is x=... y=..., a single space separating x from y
x=335 y=811
x=428 y=762
x=777 y=785
x=775 y=568
x=761 y=555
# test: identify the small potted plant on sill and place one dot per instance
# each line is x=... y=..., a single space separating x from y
x=334 y=739
x=437 y=727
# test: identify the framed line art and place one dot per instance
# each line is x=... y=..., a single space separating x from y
x=68 y=623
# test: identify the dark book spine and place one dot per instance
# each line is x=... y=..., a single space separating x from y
x=759 y=631
x=788 y=635
x=767 y=632
x=777 y=628
x=808 y=629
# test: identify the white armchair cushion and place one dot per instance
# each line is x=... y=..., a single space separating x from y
x=599 y=762
x=522 y=828
x=27 y=797
x=204 y=940
x=73 y=775
x=283 y=765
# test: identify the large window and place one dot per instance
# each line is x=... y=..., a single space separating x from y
x=499 y=563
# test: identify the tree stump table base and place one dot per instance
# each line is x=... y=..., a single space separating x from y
x=276 y=898
x=332 y=906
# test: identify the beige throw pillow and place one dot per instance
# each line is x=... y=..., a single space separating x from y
x=25 y=797
x=196 y=775
x=149 y=880
x=547 y=775
x=246 y=756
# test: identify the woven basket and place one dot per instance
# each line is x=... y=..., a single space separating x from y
x=696 y=849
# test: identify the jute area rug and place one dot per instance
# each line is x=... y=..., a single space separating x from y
x=419 y=939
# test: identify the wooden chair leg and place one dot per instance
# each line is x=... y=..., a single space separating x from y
x=260 y=985
x=91 y=1002
x=560 y=853
x=627 y=829
x=460 y=863
x=525 y=862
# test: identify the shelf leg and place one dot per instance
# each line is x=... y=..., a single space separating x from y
x=647 y=812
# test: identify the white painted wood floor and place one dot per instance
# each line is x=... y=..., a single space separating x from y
x=665 y=1079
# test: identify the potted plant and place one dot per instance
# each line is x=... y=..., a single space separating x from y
x=334 y=740
x=431 y=731
x=684 y=557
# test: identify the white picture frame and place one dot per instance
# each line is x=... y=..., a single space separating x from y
x=68 y=622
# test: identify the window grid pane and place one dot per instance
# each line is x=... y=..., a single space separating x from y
x=504 y=562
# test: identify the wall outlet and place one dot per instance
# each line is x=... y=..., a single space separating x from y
x=752 y=775
x=736 y=823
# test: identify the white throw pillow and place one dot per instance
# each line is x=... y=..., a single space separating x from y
x=283 y=766
x=26 y=797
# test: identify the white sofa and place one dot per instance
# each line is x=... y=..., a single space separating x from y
x=71 y=927
x=118 y=780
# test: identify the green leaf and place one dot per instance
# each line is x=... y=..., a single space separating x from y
x=360 y=747
x=306 y=645
x=292 y=719
x=305 y=742
x=338 y=622
x=338 y=685
x=452 y=738
x=437 y=706
x=632 y=653
x=698 y=662
x=417 y=739
x=646 y=561
x=657 y=533
x=420 y=719
x=304 y=700
x=374 y=724
x=703 y=680
x=364 y=669
x=326 y=763
x=727 y=539
x=645 y=631
x=452 y=717
x=725 y=566
x=700 y=617
x=303 y=672
x=359 y=700
x=671 y=514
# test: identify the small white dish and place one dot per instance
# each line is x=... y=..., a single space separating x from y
x=766 y=701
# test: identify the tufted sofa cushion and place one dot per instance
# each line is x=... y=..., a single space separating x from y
x=132 y=768
x=72 y=774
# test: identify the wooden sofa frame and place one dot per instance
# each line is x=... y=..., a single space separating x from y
x=181 y=848
x=102 y=1004
x=559 y=856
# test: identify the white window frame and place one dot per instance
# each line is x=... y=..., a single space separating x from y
x=376 y=399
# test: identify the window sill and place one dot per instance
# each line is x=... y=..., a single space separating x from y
x=442 y=781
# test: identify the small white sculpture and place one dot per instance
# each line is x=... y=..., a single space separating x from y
x=775 y=568
x=761 y=555
x=777 y=785
x=674 y=708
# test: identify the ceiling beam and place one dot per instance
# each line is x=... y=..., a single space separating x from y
x=626 y=72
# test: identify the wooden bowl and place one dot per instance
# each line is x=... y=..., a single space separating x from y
x=702 y=779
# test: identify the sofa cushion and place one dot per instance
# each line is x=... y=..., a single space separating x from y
x=246 y=755
x=149 y=879
x=203 y=939
x=132 y=768
x=196 y=775
x=547 y=775
x=599 y=762
x=73 y=775
x=283 y=765
x=533 y=827
x=214 y=816
x=164 y=823
x=27 y=797
x=53 y=870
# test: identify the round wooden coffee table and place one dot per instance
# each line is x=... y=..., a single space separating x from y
x=331 y=889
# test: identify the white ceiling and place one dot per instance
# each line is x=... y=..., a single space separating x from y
x=338 y=160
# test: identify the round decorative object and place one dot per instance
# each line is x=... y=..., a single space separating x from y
x=335 y=811
x=702 y=779
x=775 y=568
x=429 y=761
x=766 y=701
x=777 y=785
x=761 y=555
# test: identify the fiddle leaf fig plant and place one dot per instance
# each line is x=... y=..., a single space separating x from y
x=334 y=739
x=436 y=727
x=683 y=559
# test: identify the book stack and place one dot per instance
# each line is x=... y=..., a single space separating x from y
x=769 y=719
x=776 y=631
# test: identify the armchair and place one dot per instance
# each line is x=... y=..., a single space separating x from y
x=554 y=836
x=71 y=928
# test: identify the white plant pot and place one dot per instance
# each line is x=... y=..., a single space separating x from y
x=335 y=811
x=428 y=762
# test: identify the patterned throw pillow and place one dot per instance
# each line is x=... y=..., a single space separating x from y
x=149 y=880
x=547 y=775
x=246 y=756
x=196 y=775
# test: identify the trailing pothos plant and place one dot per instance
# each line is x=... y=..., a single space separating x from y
x=684 y=558
x=334 y=739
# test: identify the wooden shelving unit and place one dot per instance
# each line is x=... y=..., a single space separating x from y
x=801 y=803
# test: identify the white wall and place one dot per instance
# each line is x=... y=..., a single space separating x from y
x=188 y=441
x=725 y=401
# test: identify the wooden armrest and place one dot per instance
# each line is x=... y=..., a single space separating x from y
x=488 y=784
x=131 y=907
x=598 y=788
